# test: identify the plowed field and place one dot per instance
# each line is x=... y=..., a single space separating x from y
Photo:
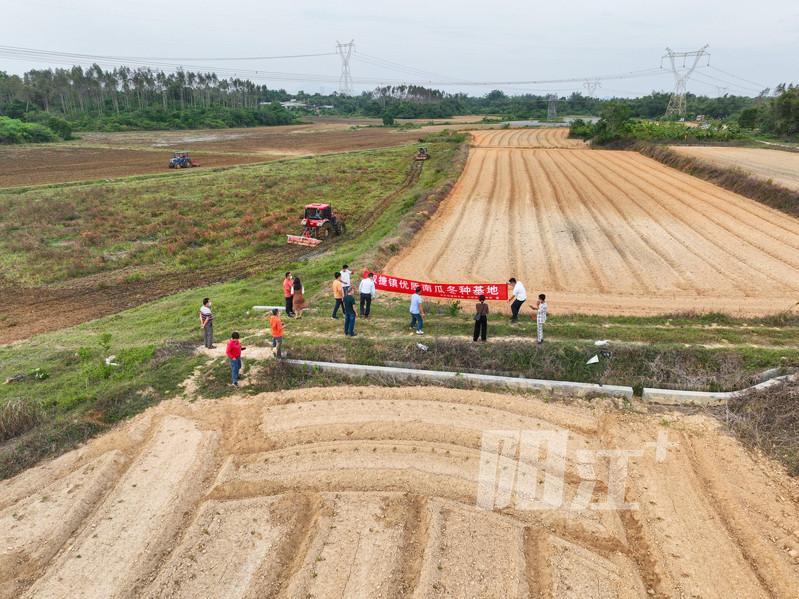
x=372 y=492
x=781 y=167
x=105 y=155
x=605 y=232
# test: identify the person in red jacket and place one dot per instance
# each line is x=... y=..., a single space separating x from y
x=233 y=352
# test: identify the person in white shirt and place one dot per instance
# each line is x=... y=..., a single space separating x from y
x=346 y=278
x=518 y=297
x=417 y=311
x=367 y=292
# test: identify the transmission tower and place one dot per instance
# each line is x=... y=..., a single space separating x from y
x=345 y=80
x=590 y=85
x=682 y=72
x=552 y=107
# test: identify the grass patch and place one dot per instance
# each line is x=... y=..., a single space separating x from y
x=769 y=421
x=187 y=222
x=153 y=344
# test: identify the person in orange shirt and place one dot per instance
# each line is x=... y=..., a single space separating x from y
x=288 y=294
x=338 y=294
x=276 y=325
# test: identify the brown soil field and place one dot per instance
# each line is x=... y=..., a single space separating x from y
x=106 y=155
x=605 y=232
x=373 y=492
x=553 y=137
x=37 y=165
x=779 y=166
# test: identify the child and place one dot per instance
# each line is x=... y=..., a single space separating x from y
x=276 y=325
x=233 y=352
x=541 y=316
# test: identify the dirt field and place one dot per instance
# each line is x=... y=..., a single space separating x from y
x=373 y=492
x=605 y=232
x=781 y=167
x=526 y=138
x=32 y=165
x=106 y=155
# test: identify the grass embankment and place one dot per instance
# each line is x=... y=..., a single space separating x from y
x=69 y=393
x=702 y=352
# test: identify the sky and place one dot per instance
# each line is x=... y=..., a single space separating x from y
x=751 y=45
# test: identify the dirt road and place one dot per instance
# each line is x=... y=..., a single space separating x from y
x=781 y=167
x=373 y=492
x=605 y=232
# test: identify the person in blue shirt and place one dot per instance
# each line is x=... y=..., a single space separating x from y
x=417 y=311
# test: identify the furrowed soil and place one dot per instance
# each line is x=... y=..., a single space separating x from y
x=779 y=166
x=107 y=155
x=373 y=492
x=604 y=232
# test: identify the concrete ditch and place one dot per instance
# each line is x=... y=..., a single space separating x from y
x=671 y=397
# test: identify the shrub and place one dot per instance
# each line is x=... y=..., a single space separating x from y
x=19 y=415
x=14 y=131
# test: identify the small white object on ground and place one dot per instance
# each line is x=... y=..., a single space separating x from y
x=593 y=360
x=421 y=346
x=109 y=361
x=268 y=308
x=601 y=342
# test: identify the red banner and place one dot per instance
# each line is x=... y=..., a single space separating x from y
x=492 y=291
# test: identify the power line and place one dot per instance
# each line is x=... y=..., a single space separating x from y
x=759 y=85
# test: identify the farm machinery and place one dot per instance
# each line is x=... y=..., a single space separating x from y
x=320 y=222
x=182 y=160
x=422 y=154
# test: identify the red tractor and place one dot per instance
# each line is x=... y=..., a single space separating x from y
x=422 y=154
x=320 y=222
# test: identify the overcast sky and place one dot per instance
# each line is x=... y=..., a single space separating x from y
x=508 y=40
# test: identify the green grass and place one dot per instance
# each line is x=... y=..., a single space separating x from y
x=82 y=396
x=186 y=221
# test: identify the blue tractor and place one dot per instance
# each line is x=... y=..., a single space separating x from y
x=182 y=160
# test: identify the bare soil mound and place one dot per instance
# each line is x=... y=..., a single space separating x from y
x=780 y=167
x=374 y=492
x=605 y=232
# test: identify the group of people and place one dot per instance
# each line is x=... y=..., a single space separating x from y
x=344 y=300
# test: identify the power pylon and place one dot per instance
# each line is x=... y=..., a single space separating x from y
x=682 y=72
x=552 y=107
x=345 y=80
x=590 y=85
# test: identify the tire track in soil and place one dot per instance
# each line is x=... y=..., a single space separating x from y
x=579 y=164
x=543 y=233
x=709 y=236
x=514 y=210
x=469 y=196
x=700 y=238
x=585 y=252
x=633 y=268
x=484 y=216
